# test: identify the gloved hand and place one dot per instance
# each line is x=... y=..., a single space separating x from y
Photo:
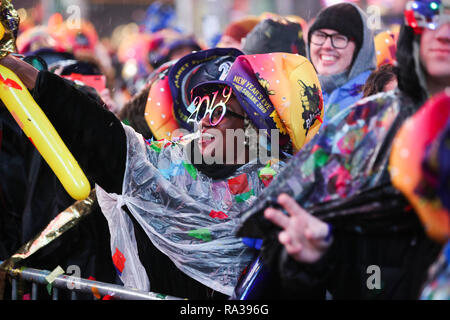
x=9 y=26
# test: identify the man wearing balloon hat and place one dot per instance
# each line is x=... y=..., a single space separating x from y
x=186 y=211
x=345 y=218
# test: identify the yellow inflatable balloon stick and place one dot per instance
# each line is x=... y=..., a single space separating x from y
x=32 y=119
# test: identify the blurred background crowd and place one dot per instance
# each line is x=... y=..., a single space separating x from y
x=129 y=39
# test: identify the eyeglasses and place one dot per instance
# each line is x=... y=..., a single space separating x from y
x=207 y=106
x=338 y=41
x=426 y=14
x=221 y=112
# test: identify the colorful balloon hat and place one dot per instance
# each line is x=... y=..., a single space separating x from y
x=419 y=165
x=277 y=91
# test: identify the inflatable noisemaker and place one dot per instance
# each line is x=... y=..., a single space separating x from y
x=32 y=119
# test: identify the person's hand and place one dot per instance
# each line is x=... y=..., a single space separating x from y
x=305 y=237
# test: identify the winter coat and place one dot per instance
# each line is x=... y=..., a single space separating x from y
x=344 y=96
x=13 y=183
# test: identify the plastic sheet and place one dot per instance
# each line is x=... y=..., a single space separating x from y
x=187 y=215
x=342 y=173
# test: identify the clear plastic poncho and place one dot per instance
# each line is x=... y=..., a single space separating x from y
x=187 y=215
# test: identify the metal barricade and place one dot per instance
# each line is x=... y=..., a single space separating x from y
x=76 y=286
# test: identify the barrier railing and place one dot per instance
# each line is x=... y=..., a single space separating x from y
x=76 y=286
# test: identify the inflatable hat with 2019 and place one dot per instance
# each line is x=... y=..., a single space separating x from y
x=171 y=84
x=277 y=91
x=419 y=165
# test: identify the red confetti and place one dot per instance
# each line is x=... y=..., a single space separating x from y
x=119 y=260
x=341 y=178
x=218 y=214
x=32 y=141
x=266 y=179
x=315 y=148
x=108 y=297
x=408 y=208
x=239 y=184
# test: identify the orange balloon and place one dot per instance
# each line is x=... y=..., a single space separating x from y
x=385 y=48
x=159 y=108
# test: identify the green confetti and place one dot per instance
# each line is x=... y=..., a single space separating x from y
x=202 y=234
x=316 y=160
x=320 y=157
x=49 y=288
x=243 y=196
x=308 y=166
x=155 y=147
x=161 y=296
x=190 y=169
x=267 y=171
x=126 y=121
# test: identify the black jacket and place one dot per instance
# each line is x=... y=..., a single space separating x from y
x=30 y=197
x=348 y=269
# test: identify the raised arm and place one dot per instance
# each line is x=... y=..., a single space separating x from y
x=94 y=135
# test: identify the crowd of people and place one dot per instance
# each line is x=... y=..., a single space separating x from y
x=318 y=150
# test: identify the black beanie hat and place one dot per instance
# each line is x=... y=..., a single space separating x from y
x=342 y=17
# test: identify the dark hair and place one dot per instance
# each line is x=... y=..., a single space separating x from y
x=408 y=80
x=275 y=36
x=81 y=67
x=132 y=113
x=378 y=79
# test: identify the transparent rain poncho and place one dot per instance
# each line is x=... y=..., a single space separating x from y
x=187 y=215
